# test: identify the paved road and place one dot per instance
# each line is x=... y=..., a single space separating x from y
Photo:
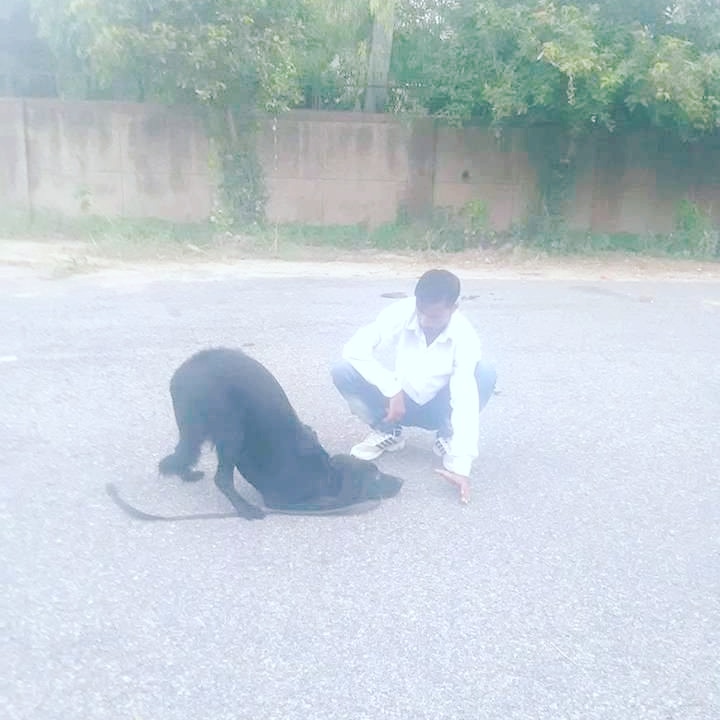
x=583 y=581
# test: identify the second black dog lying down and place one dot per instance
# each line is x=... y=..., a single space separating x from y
x=224 y=396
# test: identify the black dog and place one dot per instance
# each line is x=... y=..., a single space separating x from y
x=224 y=396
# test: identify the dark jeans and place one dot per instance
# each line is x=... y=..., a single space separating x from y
x=370 y=405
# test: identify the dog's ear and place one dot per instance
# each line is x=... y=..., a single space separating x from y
x=307 y=440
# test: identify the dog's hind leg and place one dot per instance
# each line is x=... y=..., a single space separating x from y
x=224 y=479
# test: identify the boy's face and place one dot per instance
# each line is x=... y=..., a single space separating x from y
x=433 y=318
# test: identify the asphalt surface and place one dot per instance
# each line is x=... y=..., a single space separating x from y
x=582 y=581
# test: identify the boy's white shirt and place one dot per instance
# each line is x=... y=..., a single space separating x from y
x=421 y=371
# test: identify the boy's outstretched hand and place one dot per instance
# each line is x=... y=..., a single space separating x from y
x=460 y=481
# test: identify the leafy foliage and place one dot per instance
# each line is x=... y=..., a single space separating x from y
x=334 y=66
x=225 y=52
x=578 y=64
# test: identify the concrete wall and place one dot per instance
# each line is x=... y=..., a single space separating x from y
x=111 y=159
x=139 y=160
x=632 y=183
x=14 y=187
x=335 y=168
x=472 y=163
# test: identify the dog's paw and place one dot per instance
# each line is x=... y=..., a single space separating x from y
x=168 y=465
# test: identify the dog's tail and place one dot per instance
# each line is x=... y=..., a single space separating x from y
x=132 y=511
x=141 y=515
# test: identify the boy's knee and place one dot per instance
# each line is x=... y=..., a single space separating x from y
x=343 y=374
x=351 y=385
x=486 y=374
x=486 y=378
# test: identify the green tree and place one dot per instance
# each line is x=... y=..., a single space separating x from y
x=383 y=28
x=576 y=64
x=224 y=52
x=349 y=53
x=334 y=66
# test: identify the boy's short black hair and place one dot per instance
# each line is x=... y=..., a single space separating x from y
x=438 y=286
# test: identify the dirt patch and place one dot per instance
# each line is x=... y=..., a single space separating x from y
x=61 y=258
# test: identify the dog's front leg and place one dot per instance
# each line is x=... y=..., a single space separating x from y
x=224 y=482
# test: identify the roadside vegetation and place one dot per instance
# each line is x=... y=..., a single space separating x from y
x=580 y=67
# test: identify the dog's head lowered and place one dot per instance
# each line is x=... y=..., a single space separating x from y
x=338 y=480
x=362 y=480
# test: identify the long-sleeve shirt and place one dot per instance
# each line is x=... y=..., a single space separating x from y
x=421 y=370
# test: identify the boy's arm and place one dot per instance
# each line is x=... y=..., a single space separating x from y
x=359 y=351
x=464 y=408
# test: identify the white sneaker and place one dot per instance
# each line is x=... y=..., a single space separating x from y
x=441 y=446
x=376 y=443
